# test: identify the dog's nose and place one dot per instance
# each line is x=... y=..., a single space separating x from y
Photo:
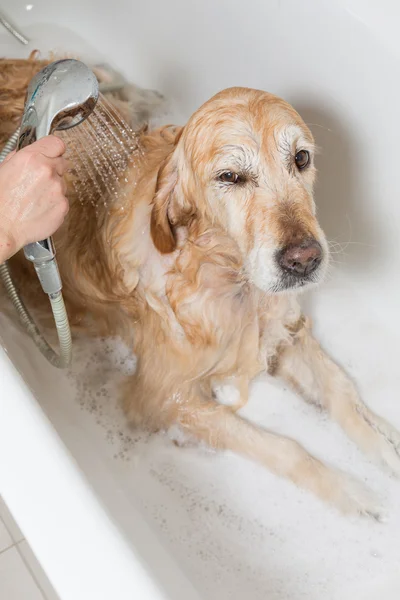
x=301 y=260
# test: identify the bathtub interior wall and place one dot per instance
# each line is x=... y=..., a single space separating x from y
x=334 y=61
x=234 y=529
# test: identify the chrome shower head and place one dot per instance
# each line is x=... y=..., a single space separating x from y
x=60 y=96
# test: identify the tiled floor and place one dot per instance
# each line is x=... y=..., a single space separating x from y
x=21 y=576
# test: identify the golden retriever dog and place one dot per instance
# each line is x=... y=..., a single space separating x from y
x=199 y=267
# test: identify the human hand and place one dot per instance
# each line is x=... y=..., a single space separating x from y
x=32 y=194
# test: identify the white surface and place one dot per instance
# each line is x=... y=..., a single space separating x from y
x=235 y=530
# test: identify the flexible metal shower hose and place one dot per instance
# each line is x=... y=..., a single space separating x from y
x=57 y=304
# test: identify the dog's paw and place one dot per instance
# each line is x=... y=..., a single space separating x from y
x=382 y=442
x=355 y=498
x=181 y=438
x=347 y=494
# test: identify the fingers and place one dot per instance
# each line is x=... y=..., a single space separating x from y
x=61 y=165
x=50 y=146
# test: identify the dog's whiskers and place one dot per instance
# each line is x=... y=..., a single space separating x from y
x=320 y=126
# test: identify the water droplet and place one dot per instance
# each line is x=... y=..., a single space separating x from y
x=100 y=151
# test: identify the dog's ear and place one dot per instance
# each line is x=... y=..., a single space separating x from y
x=171 y=204
x=160 y=226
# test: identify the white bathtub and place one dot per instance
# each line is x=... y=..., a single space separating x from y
x=113 y=517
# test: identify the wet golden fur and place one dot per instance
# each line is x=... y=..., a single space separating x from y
x=184 y=271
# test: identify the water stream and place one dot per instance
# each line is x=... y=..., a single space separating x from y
x=100 y=150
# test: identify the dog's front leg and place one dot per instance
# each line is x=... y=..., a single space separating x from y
x=319 y=380
x=219 y=427
x=187 y=406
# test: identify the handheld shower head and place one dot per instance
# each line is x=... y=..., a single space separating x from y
x=60 y=96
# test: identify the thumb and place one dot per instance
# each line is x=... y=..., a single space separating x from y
x=50 y=146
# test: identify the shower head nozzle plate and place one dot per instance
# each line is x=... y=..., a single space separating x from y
x=60 y=96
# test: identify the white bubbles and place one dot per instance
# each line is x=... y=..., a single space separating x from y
x=98 y=369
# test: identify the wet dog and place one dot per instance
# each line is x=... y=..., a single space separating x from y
x=198 y=266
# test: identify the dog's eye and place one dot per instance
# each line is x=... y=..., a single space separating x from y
x=229 y=177
x=302 y=159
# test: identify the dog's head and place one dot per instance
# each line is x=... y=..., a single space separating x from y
x=245 y=162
